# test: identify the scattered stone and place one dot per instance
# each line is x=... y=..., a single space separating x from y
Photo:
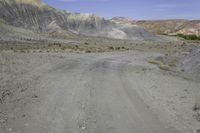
x=197 y=103
x=197 y=116
x=26 y=124
x=34 y=96
x=183 y=97
x=3 y=117
x=144 y=69
x=83 y=128
x=2 y=121
x=24 y=89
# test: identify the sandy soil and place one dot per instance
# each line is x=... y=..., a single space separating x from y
x=93 y=93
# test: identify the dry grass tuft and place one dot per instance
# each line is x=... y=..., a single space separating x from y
x=155 y=62
x=164 y=67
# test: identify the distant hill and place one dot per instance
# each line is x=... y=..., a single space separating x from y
x=176 y=26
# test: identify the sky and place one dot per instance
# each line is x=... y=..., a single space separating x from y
x=135 y=9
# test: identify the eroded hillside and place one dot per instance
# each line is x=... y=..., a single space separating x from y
x=39 y=17
x=176 y=26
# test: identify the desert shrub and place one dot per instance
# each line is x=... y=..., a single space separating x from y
x=189 y=37
x=69 y=47
x=55 y=44
x=111 y=48
x=88 y=51
x=22 y=51
x=63 y=48
x=123 y=47
x=15 y=50
x=74 y=47
x=172 y=63
x=58 y=44
x=118 y=48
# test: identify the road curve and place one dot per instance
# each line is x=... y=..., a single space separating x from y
x=91 y=94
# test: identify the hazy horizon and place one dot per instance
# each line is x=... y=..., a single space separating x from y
x=138 y=10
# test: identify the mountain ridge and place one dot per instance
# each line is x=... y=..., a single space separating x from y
x=36 y=16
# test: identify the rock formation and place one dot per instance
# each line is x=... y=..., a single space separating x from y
x=36 y=16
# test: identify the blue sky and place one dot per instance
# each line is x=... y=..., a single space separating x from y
x=136 y=9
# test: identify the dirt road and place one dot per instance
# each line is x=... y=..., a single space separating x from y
x=107 y=93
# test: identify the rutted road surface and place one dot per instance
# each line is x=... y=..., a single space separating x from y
x=108 y=93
